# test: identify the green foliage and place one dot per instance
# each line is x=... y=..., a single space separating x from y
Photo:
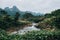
x=49 y=20
x=56 y=12
x=42 y=35
x=7 y=21
x=48 y=15
x=33 y=35
x=3 y=35
x=36 y=20
x=56 y=22
x=54 y=18
x=27 y=15
x=17 y=16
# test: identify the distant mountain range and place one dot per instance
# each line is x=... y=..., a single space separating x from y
x=14 y=9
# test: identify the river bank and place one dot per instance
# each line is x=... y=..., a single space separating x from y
x=26 y=29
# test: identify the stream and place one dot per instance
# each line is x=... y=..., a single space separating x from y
x=26 y=29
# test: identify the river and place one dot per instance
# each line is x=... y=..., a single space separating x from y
x=26 y=29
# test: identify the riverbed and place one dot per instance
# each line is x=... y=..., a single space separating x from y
x=26 y=29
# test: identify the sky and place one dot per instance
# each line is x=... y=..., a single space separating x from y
x=42 y=6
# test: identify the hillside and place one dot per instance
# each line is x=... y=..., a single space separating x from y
x=48 y=25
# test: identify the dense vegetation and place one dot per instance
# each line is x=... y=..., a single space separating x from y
x=34 y=35
x=50 y=22
x=8 y=21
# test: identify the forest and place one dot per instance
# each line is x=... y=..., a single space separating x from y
x=49 y=25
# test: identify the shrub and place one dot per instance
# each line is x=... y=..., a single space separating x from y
x=37 y=35
x=33 y=35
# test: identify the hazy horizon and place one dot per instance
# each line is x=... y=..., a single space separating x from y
x=42 y=6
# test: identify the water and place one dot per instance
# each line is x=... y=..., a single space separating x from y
x=26 y=29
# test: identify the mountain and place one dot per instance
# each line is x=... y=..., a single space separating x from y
x=8 y=10
x=14 y=9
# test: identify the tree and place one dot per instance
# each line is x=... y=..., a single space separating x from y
x=56 y=12
x=17 y=16
x=56 y=22
x=27 y=15
x=47 y=15
x=16 y=23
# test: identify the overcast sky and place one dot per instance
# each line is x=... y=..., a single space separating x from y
x=43 y=6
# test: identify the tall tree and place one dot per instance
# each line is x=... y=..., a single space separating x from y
x=17 y=16
x=56 y=12
x=56 y=22
x=27 y=15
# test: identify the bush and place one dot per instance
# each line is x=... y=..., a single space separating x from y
x=3 y=35
x=37 y=35
x=42 y=35
x=33 y=35
x=56 y=22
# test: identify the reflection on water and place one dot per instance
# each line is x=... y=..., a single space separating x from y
x=26 y=29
